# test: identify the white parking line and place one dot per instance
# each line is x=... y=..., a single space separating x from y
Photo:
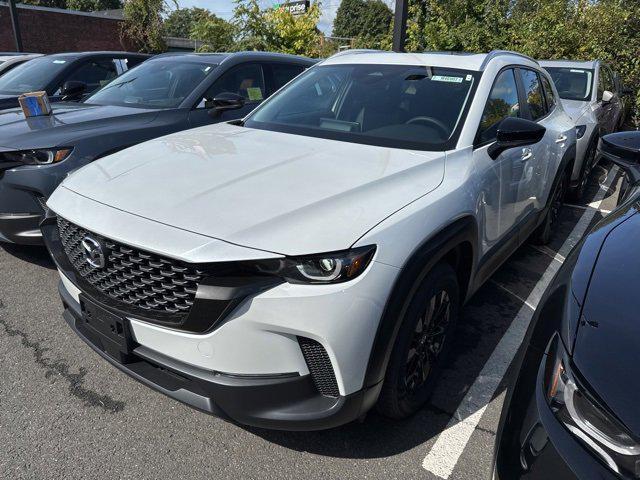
x=586 y=207
x=450 y=444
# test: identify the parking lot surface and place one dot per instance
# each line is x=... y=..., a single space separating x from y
x=66 y=413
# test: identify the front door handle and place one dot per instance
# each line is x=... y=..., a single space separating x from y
x=561 y=138
x=527 y=153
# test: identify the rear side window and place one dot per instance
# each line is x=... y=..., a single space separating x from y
x=95 y=74
x=502 y=103
x=283 y=74
x=246 y=80
x=533 y=93
x=548 y=92
x=131 y=62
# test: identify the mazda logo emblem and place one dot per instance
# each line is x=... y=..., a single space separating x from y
x=93 y=252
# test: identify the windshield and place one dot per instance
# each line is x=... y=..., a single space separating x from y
x=154 y=84
x=32 y=76
x=572 y=83
x=394 y=106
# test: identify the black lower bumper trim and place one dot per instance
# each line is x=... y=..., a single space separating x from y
x=21 y=229
x=282 y=402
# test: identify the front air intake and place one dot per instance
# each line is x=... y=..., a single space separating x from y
x=320 y=367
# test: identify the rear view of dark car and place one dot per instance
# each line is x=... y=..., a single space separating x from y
x=165 y=94
x=67 y=76
x=572 y=413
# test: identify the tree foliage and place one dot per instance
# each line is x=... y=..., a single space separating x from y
x=216 y=34
x=608 y=30
x=367 y=21
x=181 y=21
x=142 y=25
x=265 y=29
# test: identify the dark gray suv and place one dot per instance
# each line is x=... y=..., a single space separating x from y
x=165 y=94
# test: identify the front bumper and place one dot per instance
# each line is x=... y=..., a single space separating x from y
x=286 y=402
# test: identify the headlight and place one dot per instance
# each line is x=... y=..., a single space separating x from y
x=586 y=418
x=580 y=129
x=333 y=267
x=36 y=157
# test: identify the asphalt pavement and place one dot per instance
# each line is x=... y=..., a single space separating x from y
x=67 y=414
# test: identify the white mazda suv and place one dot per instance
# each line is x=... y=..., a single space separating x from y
x=296 y=268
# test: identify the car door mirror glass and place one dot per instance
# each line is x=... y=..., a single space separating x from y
x=73 y=90
x=607 y=96
x=515 y=132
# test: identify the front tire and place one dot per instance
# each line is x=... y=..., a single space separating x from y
x=422 y=344
x=578 y=192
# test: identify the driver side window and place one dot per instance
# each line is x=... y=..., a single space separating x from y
x=246 y=80
x=502 y=103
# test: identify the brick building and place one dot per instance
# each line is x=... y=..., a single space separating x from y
x=52 y=30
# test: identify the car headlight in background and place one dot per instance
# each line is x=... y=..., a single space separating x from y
x=36 y=157
x=333 y=267
x=586 y=418
x=580 y=130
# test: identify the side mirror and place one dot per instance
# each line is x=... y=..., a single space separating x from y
x=226 y=101
x=623 y=149
x=607 y=96
x=515 y=132
x=73 y=90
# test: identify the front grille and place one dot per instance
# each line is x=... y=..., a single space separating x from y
x=320 y=367
x=133 y=278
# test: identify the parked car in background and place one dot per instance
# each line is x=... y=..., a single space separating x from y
x=591 y=97
x=9 y=62
x=68 y=76
x=293 y=269
x=166 y=94
x=572 y=411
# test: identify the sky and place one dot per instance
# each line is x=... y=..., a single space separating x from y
x=224 y=9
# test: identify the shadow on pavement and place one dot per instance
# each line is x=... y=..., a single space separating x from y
x=36 y=255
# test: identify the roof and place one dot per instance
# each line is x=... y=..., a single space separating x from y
x=220 y=57
x=91 y=54
x=462 y=60
x=569 y=63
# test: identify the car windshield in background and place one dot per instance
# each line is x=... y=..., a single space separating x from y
x=394 y=106
x=31 y=76
x=154 y=84
x=572 y=83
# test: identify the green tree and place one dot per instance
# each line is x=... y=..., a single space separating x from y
x=93 y=5
x=276 y=30
x=181 y=21
x=142 y=25
x=367 y=21
x=216 y=34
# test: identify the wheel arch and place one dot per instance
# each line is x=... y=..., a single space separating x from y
x=455 y=244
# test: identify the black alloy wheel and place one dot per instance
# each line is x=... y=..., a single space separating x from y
x=422 y=344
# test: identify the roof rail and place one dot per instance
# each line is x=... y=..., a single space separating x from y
x=496 y=53
x=357 y=51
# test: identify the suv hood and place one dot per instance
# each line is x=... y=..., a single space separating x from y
x=606 y=346
x=575 y=108
x=277 y=192
x=67 y=122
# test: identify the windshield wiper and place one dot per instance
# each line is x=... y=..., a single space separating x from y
x=118 y=84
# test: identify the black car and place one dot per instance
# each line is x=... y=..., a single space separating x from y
x=573 y=411
x=165 y=94
x=67 y=76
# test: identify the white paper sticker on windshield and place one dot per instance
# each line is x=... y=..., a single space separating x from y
x=60 y=61
x=468 y=78
x=573 y=70
x=446 y=78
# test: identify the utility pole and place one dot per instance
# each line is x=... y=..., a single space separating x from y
x=13 y=12
x=400 y=25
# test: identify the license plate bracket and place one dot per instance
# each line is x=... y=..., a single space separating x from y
x=107 y=331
